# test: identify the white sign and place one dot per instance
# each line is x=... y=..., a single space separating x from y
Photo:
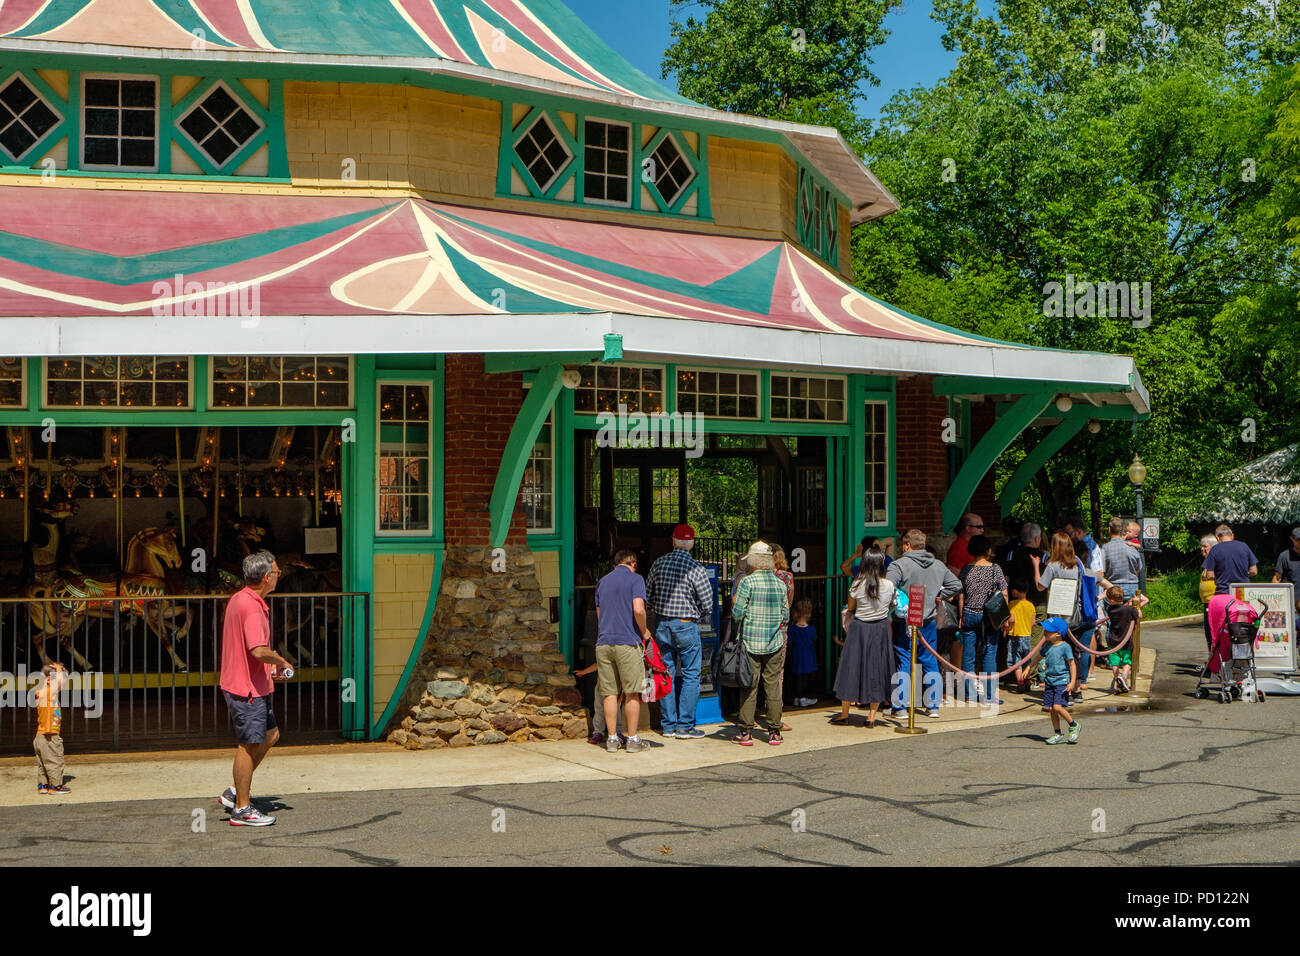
x=320 y=540
x=1150 y=534
x=1062 y=597
x=1275 y=646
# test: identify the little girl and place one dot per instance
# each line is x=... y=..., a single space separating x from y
x=802 y=653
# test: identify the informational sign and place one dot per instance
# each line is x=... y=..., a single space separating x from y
x=916 y=605
x=1275 y=646
x=320 y=540
x=1150 y=533
x=1062 y=597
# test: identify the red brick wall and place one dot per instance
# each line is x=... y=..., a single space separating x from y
x=922 y=456
x=479 y=413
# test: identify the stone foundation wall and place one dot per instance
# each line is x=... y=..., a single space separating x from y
x=491 y=669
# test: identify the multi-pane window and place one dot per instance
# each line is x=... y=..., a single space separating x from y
x=877 y=463
x=810 y=498
x=807 y=398
x=627 y=494
x=280 y=381
x=818 y=217
x=220 y=125
x=119 y=123
x=24 y=118
x=118 y=381
x=607 y=172
x=717 y=394
x=543 y=153
x=11 y=381
x=591 y=461
x=405 y=485
x=670 y=170
x=604 y=387
x=665 y=495
x=538 y=487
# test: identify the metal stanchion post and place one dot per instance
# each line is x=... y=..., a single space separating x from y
x=911 y=727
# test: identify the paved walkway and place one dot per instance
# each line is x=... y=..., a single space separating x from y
x=346 y=767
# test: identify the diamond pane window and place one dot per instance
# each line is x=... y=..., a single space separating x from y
x=608 y=170
x=603 y=388
x=24 y=118
x=405 y=460
x=717 y=394
x=671 y=172
x=120 y=123
x=807 y=398
x=543 y=153
x=112 y=381
x=220 y=125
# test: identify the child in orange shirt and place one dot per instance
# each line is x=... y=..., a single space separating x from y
x=49 y=719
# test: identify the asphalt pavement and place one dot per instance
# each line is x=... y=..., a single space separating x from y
x=1177 y=781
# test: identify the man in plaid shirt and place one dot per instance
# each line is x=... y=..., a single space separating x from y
x=679 y=593
x=762 y=606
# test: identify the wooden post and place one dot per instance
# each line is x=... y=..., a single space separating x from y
x=180 y=486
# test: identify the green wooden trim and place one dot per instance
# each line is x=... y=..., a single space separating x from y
x=277 y=168
x=960 y=385
x=745 y=426
x=510 y=158
x=439 y=560
x=199 y=367
x=499 y=363
x=35 y=385
x=865 y=385
x=180 y=416
x=691 y=157
x=1053 y=442
x=613 y=347
x=523 y=435
x=856 y=457
x=359 y=534
x=983 y=455
x=566 y=517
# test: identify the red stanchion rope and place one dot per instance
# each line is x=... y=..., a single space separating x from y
x=953 y=667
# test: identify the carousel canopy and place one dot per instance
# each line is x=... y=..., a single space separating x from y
x=538 y=45
x=92 y=272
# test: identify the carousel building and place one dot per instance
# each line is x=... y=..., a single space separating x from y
x=391 y=292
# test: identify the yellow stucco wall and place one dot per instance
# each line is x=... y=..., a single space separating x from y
x=401 y=595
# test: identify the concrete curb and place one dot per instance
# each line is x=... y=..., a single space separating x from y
x=1185 y=619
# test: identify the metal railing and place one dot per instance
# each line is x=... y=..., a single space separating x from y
x=126 y=690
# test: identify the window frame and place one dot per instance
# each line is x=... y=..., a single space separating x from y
x=382 y=379
x=523 y=131
x=869 y=521
x=157 y=122
x=45 y=387
x=843 y=399
x=632 y=182
x=194 y=99
x=758 y=394
x=51 y=135
x=212 y=385
x=533 y=458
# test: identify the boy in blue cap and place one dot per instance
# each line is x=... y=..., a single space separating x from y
x=1060 y=676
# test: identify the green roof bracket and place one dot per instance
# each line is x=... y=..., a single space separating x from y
x=1052 y=442
x=984 y=454
x=523 y=435
x=613 y=347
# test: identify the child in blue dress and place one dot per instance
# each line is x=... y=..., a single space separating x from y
x=803 y=653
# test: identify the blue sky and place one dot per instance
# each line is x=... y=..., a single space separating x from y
x=638 y=29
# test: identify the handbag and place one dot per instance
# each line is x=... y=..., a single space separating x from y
x=658 y=682
x=731 y=665
x=996 y=611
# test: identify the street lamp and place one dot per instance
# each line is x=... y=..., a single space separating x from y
x=1137 y=473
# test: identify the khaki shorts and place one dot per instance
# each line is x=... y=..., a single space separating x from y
x=620 y=669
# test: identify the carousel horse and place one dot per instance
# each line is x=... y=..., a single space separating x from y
x=74 y=597
x=239 y=538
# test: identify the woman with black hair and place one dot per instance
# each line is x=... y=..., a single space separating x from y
x=867 y=663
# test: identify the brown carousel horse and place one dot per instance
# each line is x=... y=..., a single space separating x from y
x=60 y=607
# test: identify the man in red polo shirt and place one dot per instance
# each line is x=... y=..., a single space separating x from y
x=959 y=551
x=248 y=665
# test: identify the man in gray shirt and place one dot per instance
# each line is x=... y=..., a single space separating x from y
x=1123 y=561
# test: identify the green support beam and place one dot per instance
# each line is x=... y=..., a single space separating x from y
x=528 y=423
x=983 y=455
x=1053 y=442
x=495 y=364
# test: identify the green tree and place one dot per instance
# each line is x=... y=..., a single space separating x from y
x=799 y=60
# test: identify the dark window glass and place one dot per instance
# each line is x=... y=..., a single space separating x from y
x=101 y=93
x=17 y=96
x=100 y=152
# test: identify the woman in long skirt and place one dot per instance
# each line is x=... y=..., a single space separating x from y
x=867 y=663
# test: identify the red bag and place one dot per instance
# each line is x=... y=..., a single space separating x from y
x=658 y=682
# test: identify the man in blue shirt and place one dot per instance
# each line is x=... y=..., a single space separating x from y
x=1230 y=561
x=620 y=657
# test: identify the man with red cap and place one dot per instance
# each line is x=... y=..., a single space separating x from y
x=679 y=593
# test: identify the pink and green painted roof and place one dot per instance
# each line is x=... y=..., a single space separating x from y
x=537 y=38
x=83 y=252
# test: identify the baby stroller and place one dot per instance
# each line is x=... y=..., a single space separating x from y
x=1231 y=667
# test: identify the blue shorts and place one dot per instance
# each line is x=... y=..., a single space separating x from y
x=253 y=718
x=1054 y=694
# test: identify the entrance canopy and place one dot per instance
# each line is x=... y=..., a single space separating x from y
x=91 y=272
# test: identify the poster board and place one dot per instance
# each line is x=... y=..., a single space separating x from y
x=320 y=540
x=1062 y=597
x=1275 y=646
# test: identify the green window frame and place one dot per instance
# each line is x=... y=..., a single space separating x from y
x=13 y=382
x=876 y=467
x=398 y=446
x=817 y=217
x=53 y=102
x=526 y=133
x=194 y=101
x=78 y=371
